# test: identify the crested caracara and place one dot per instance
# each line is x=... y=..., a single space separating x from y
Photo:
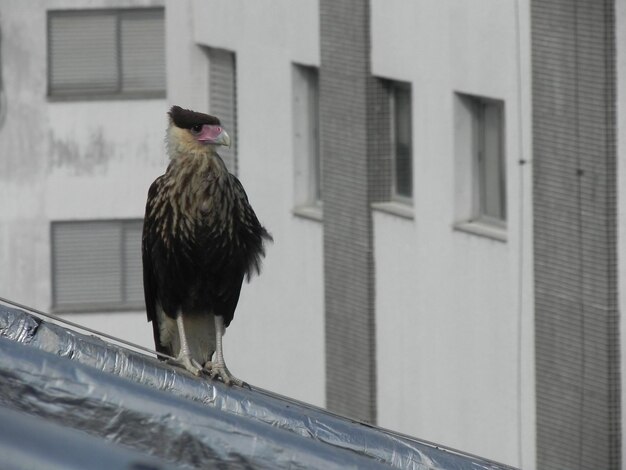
x=200 y=239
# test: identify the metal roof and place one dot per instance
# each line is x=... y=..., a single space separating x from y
x=128 y=410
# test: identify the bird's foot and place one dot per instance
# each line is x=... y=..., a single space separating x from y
x=186 y=361
x=219 y=369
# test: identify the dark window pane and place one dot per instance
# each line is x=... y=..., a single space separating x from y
x=491 y=160
x=404 y=170
x=403 y=136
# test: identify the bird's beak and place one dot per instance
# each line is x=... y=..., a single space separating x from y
x=214 y=135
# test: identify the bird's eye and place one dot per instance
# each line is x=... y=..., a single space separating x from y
x=196 y=129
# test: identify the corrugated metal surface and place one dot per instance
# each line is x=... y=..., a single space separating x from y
x=348 y=259
x=32 y=442
x=125 y=399
x=577 y=341
x=223 y=99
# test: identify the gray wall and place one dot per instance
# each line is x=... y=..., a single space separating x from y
x=577 y=342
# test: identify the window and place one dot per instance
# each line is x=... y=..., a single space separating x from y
x=401 y=142
x=96 y=265
x=390 y=142
x=480 y=160
x=223 y=99
x=99 y=53
x=307 y=162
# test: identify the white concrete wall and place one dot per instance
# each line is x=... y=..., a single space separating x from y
x=454 y=309
x=66 y=160
x=276 y=340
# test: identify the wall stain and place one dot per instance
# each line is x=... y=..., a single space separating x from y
x=88 y=160
x=22 y=150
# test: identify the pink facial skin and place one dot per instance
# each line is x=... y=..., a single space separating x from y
x=211 y=134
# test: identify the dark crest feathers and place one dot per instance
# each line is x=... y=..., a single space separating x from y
x=186 y=119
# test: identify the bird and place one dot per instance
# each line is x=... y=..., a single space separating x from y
x=200 y=239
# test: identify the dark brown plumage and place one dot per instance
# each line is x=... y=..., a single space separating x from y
x=201 y=238
x=186 y=119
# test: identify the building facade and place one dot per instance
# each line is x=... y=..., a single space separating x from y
x=441 y=179
x=81 y=142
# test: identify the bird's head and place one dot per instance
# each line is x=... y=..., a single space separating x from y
x=193 y=132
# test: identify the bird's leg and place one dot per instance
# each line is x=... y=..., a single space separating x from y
x=184 y=356
x=217 y=368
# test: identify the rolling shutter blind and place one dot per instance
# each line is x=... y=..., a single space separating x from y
x=143 y=46
x=223 y=100
x=132 y=263
x=96 y=265
x=106 y=52
x=83 y=53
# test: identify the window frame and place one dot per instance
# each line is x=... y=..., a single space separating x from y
x=470 y=172
x=308 y=190
x=123 y=305
x=480 y=162
x=119 y=94
x=394 y=88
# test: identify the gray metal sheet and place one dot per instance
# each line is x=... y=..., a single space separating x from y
x=27 y=441
x=124 y=397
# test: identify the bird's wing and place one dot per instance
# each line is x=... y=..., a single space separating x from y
x=150 y=286
x=243 y=257
x=253 y=234
x=147 y=242
x=226 y=294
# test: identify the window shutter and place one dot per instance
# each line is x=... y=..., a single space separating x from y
x=133 y=284
x=223 y=99
x=106 y=52
x=96 y=265
x=143 y=45
x=403 y=133
x=83 y=54
x=86 y=263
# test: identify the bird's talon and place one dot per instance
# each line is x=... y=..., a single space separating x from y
x=221 y=371
x=188 y=363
